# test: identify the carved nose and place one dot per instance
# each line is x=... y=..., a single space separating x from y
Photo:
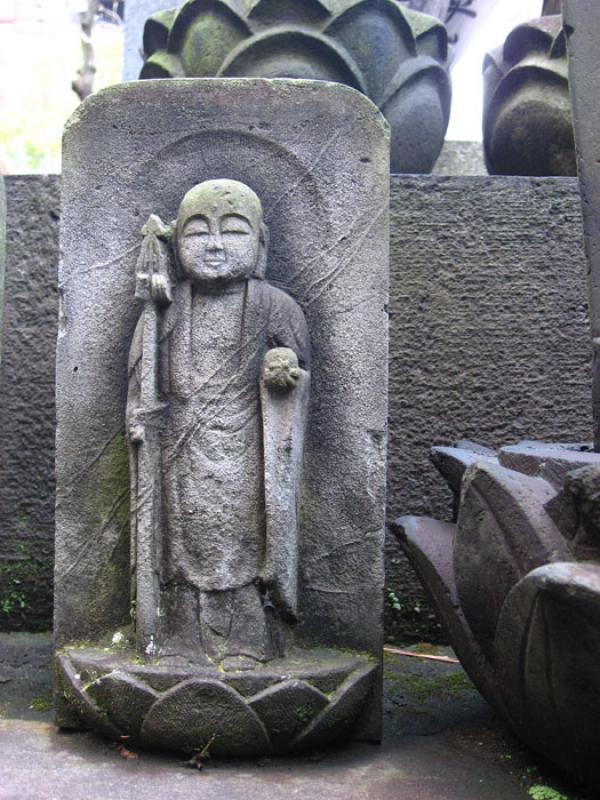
x=215 y=242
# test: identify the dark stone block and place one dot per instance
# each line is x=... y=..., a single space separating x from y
x=27 y=409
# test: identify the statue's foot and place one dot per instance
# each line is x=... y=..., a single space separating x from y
x=237 y=663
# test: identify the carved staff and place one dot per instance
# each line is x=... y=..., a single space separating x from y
x=152 y=286
x=582 y=29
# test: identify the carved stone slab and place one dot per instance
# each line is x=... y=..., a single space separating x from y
x=318 y=157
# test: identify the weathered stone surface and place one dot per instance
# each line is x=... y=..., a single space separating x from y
x=521 y=600
x=216 y=415
x=200 y=714
x=338 y=718
x=396 y=56
x=546 y=653
x=527 y=118
x=317 y=693
x=126 y=699
x=427 y=751
x=467 y=294
x=503 y=532
x=27 y=415
x=429 y=545
x=308 y=210
x=286 y=708
x=582 y=26
x=546 y=460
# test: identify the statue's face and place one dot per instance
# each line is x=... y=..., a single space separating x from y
x=219 y=232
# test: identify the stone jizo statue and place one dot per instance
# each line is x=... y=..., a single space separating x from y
x=216 y=410
x=220 y=476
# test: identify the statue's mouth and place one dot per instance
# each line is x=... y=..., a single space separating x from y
x=214 y=262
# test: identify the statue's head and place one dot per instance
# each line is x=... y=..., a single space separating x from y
x=221 y=237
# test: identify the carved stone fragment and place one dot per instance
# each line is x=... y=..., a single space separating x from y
x=396 y=56
x=221 y=402
x=527 y=118
x=516 y=581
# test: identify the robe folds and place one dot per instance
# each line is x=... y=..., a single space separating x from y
x=217 y=513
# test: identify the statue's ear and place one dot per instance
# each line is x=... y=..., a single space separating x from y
x=261 y=263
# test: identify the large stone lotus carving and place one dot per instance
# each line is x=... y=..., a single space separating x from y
x=527 y=119
x=516 y=580
x=397 y=57
x=237 y=713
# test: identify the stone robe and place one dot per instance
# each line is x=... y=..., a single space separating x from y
x=212 y=345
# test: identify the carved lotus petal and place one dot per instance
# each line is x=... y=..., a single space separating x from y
x=379 y=38
x=125 y=700
x=74 y=692
x=528 y=129
x=429 y=543
x=162 y=65
x=503 y=532
x=203 y=33
x=527 y=109
x=287 y=708
x=197 y=712
x=416 y=138
x=430 y=35
x=292 y=12
x=534 y=36
x=397 y=57
x=337 y=718
x=292 y=53
x=547 y=653
x=157 y=30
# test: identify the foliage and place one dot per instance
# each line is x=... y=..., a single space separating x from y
x=20 y=581
x=38 y=100
x=540 y=792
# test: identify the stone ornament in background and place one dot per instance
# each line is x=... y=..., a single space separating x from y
x=527 y=118
x=396 y=56
x=516 y=581
x=221 y=412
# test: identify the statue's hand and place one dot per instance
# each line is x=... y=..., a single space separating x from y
x=160 y=290
x=280 y=369
x=135 y=426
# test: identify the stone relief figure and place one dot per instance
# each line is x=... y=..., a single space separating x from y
x=216 y=414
